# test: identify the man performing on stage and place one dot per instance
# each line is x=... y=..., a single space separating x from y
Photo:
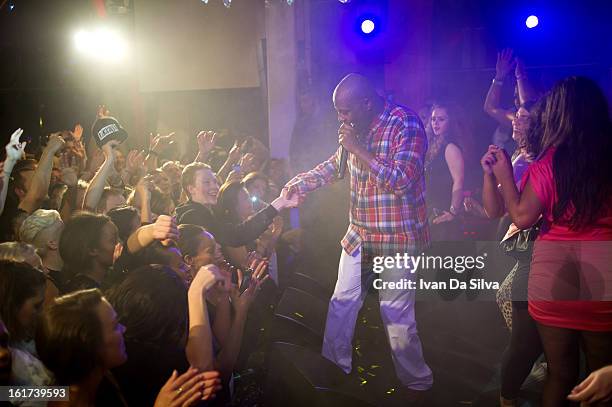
x=386 y=147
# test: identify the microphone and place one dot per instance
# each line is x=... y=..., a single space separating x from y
x=343 y=158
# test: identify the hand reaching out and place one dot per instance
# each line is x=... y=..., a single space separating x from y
x=14 y=148
x=288 y=198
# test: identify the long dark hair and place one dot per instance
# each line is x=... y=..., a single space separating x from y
x=533 y=138
x=18 y=283
x=576 y=120
x=69 y=336
x=151 y=303
x=459 y=129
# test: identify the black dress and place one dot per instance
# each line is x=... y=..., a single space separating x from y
x=439 y=185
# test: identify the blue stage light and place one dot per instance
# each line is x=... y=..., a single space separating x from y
x=367 y=26
x=532 y=21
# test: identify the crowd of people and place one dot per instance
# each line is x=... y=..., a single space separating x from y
x=129 y=277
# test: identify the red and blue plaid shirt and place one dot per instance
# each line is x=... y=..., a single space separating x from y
x=387 y=213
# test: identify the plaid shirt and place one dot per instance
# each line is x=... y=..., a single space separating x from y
x=387 y=213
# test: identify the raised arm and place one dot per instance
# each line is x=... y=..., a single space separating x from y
x=14 y=152
x=98 y=182
x=235 y=235
x=526 y=92
x=233 y=157
x=492 y=105
x=199 y=349
x=164 y=228
x=39 y=187
x=323 y=174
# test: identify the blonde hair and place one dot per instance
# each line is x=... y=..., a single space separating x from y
x=37 y=221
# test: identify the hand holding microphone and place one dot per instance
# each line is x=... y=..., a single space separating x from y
x=347 y=138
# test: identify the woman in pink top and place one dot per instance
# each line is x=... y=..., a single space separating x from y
x=569 y=185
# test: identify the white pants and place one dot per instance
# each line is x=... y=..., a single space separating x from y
x=397 y=311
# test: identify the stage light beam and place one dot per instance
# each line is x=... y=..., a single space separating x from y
x=367 y=26
x=532 y=21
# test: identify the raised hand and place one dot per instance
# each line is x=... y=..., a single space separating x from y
x=504 y=64
x=15 y=148
x=234 y=154
x=247 y=163
x=135 y=161
x=143 y=188
x=77 y=133
x=102 y=112
x=70 y=176
x=165 y=228
x=187 y=389
x=159 y=142
x=206 y=141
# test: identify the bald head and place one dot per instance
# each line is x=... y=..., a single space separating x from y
x=354 y=87
x=356 y=100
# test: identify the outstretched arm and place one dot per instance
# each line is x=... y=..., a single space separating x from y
x=323 y=174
